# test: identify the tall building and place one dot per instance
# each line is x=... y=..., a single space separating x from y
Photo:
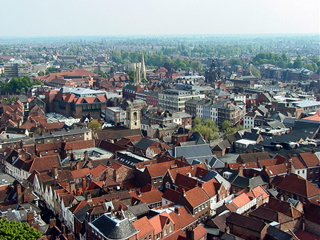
x=17 y=68
x=174 y=100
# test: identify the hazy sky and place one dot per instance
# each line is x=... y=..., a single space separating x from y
x=141 y=17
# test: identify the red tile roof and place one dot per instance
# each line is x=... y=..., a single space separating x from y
x=276 y=170
x=283 y=207
x=159 y=169
x=310 y=159
x=199 y=232
x=209 y=187
x=148 y=197
x=241 y=200
x=182 y=218
x=143 y=226
x=296 y=184
x=297 y=164
x=196 y=196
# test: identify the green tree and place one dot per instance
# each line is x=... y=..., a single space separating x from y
x=18 y=85
x=94 y=125
x=13 y=230
x=311 y=66
x=52 y=70
x=255 y=72
x=3 y=74
x=102 y=74
x=206 y=128
x=298 y=62
x=9 y=100
x=41 y=73
x=225 y=125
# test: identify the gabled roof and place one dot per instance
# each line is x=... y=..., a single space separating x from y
x=283 y=207
x=309 y=159
x=171 y=195
x=253 y=157
x=296 y=184
x=159 y=221
x=209 y=187
x=147 y=197
x=276 y=170
x=195 y=196
x=246 y=222
x=159 y=169
x=144 y=143
x=200 y=152
x=143 y=226
x=270 y=215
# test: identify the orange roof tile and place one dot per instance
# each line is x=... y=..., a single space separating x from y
x=310 y=159
x=241 y=200
x=143 y=226
x=196 y=196
x=199 y=232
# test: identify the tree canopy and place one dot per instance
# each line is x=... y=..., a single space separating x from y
x=94 y=125
x=206 y=128
x=13 y=230
x=18 y=85
x=271 y=58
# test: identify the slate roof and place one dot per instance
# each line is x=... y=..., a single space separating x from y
x=113 y=229
x=250 y=136
x=278 y=234
x=139 y=209
x=144 y=143
x=197 y=138
x=200 y=152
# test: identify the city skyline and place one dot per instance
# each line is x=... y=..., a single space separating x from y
x=107 y=18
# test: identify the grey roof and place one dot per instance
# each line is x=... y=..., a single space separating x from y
x=210 y=175
x=228 y=236
x=112 y=228
x=257 y=181
x=144 y=143
x=216 y=163
x=198 y=138
x=200 y=152
x=250 y=136
x=275 y=124
x=277 y=234
x=139 y=209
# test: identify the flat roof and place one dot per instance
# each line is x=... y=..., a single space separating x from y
x=94 y=153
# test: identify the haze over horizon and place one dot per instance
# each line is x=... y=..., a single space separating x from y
x=37 y=18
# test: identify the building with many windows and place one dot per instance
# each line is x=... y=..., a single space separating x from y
x=77 y=102
x=17 y=68
x=174 y=100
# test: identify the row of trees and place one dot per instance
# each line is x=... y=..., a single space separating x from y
x=312 y=63
x=155 y=59
x=17 y=85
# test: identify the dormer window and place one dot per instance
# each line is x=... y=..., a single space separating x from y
x=227 y=175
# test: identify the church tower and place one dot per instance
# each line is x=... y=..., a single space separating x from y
x=133 y=119
x=143 y=68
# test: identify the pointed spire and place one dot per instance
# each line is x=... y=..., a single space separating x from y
x=143 y=68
